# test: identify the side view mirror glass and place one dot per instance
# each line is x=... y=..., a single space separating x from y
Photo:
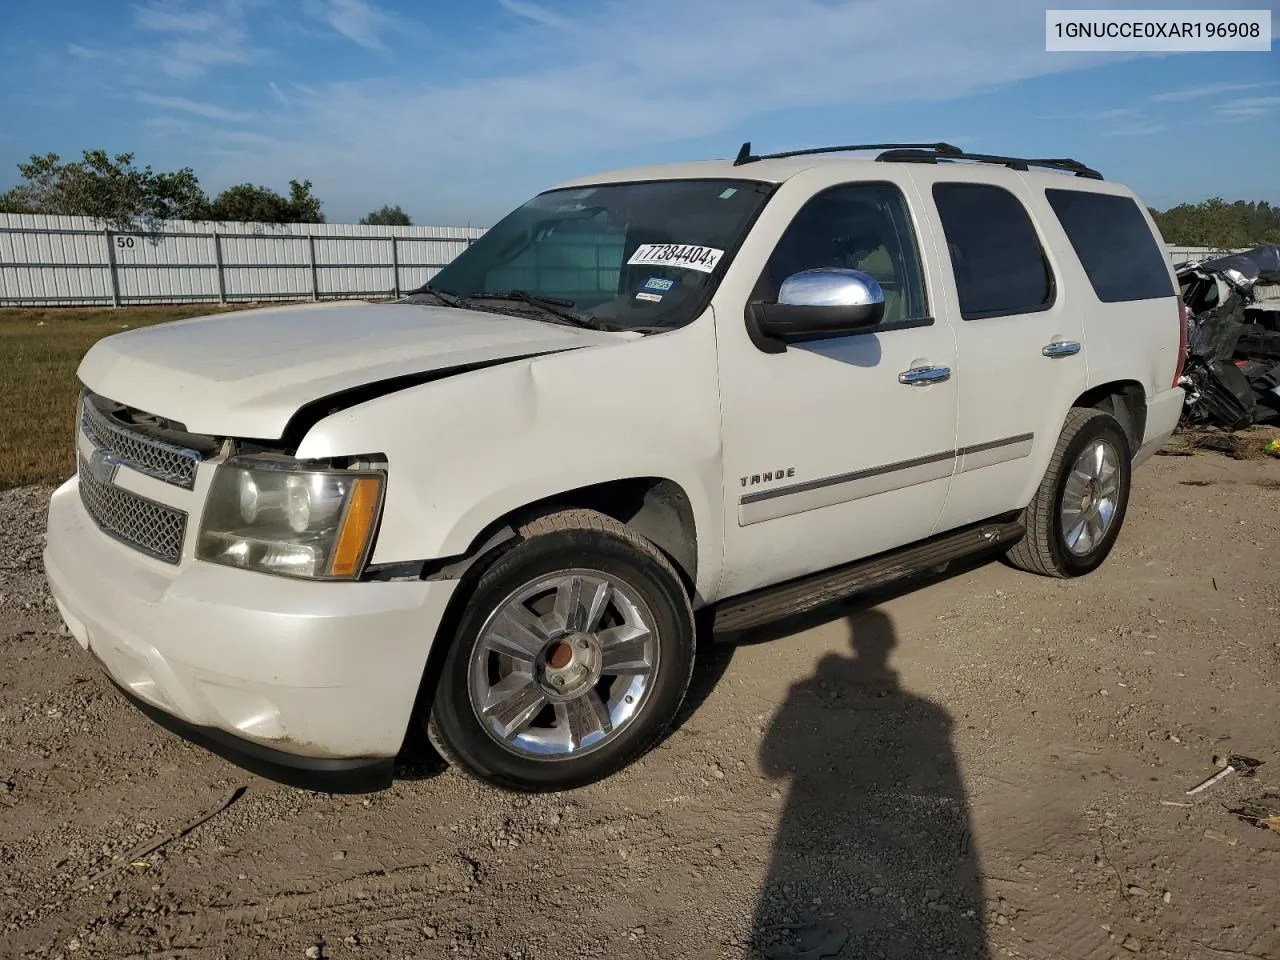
x=817 y=304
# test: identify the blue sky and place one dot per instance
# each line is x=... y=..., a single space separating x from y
x=459 y=110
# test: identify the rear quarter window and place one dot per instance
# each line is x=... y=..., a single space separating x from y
x=1115 y=246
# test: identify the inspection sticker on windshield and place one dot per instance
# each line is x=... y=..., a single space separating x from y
x=659 y=283
x=649 y=297
x=703 y=259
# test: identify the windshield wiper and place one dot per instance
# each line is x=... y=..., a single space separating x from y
x=442 y=296
x=555 y=306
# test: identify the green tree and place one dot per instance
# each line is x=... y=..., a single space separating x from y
x=387 y=217
x=1217 y=223
x=249 y=203
x=13 y=201
x=110 y=189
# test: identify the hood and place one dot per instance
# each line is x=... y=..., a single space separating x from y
x=244 y=374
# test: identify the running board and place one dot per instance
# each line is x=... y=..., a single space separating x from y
x=808 y=593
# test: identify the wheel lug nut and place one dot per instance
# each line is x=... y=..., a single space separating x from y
x=581 y=644
x=558 y=680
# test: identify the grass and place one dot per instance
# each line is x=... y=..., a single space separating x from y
x=40 y=349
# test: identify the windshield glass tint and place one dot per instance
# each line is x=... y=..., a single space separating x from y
x=632 y=255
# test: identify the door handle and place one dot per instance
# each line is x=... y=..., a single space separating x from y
x=923 y=376
x=1061 y=348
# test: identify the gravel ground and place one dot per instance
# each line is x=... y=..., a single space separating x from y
x=986 y=764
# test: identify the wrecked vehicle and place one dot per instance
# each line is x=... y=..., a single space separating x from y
x=488 y=512
x=1232 y=375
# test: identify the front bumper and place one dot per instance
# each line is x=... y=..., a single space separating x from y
x=301 y=681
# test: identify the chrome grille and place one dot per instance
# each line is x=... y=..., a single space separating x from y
x=140 y=523
x=163 y=461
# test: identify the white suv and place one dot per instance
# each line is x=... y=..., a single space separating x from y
x=492 y=507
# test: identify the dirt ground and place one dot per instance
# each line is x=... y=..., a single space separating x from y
x=986 y=764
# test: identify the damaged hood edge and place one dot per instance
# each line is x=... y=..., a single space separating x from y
x=259 y=373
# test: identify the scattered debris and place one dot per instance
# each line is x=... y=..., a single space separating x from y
x=136 y=855
x=1220 y=838
x=1255 y=814
x=1232 y=372
x=1245 y=766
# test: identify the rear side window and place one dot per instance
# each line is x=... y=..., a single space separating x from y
x=999 y=265
x=1114 y=244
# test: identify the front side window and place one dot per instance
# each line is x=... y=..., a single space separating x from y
x=631 y=256
x=999 y=265
x=860 y=226
x=1114 y=244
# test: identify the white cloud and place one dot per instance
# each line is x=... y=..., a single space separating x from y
x=1136 y=129
x=1111 y=116
x=621 y=77
x=536 y=13
x=1248 y=108
x=1207 y=90
x=210 y=110
x=625 y=76
x=176 y=18
x=194 y=40
x=358 y=21
x=277 y=94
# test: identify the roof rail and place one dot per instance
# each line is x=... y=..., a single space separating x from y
x=939 y=149
x=923 y=154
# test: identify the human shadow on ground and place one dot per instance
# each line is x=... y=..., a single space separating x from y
x=874 y=854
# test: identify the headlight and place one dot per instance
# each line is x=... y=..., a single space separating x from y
x=279 y=517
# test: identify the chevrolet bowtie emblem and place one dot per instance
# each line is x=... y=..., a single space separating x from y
x=103 y=466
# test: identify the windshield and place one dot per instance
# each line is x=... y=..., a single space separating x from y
x=631 y=256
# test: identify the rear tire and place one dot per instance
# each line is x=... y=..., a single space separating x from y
x=1076 y=515
x=572 y=656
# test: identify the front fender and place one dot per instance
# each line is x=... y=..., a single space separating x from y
x=467 y=450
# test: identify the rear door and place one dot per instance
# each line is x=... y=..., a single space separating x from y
x=1019 y=335
x=1131 y=314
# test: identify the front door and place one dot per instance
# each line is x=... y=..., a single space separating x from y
x=838 y=449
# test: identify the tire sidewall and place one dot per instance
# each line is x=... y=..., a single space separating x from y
x=1101 y=427
x=546 y=555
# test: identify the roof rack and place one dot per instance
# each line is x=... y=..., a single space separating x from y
x=746 y=156
x=926 y=153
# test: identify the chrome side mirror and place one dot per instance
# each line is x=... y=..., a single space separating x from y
x=818 y=304
x=831 y=287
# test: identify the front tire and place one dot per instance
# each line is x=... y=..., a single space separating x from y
x=572 y=657
x=1076 y=515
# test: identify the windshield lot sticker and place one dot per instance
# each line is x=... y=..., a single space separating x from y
x=650 y=297
x=689 y=256
x=659 y=283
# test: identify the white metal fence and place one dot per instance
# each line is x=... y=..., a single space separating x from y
x=46 y=260
x=1179 y=255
